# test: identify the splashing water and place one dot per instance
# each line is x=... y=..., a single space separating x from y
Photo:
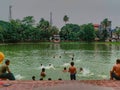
x=19 y=77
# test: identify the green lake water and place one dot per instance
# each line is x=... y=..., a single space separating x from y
x=95 y=59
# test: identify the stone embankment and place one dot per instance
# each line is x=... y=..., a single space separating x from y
x=60 y=85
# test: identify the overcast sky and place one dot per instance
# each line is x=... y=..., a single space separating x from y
x=78 y=11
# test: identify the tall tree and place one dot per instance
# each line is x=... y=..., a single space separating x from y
x=54 y=30
x=27 y=24
x=117 y=32
x=28 y=20
x=104 y=33
x=44 y=27
x=1 y=34
x=105 y=23
x=43 y=24
x=69 y=32
x=87 y=32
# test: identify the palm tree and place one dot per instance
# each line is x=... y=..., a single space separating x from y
x=43 y=24
x=105 y=23
x=65 y=19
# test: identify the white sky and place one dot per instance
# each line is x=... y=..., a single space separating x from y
x=78 y=11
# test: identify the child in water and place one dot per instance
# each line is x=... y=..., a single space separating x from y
x=81 y=69
x=65 y=69
x=43 y=74
x=33 y=78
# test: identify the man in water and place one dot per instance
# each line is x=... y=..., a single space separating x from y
x=115 y=72
x=5 y=71
x=73 y=71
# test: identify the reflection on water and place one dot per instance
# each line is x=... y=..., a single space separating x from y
x=95 y=59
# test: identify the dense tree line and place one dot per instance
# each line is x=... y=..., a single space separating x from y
x=26 y=30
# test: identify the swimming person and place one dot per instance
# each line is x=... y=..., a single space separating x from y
x=42 y=66
x=65 y=69
x=72 y=71
x=81 y=69
x=50 y=66
x=33 y=78
x=5 y=71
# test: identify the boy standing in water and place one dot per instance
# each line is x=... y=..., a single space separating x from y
x=43 y=74
x=73 y=71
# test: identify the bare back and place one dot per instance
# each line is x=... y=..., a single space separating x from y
x=116 y=69
x=72 y=70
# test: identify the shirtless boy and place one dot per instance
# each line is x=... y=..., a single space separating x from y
x=72 y=70
x=115 y=72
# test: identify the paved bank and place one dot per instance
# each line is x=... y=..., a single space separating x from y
x=61 y=85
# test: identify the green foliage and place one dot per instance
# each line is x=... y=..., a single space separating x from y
x=26 y=30
x=70 y=32
x=117 y=32
x=43 y=24
x=29 y=20
x=87 y=32
x=54 y=30
x=44 y=27
x=104 y=33
x=105 y=23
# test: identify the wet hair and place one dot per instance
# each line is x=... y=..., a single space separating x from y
x=7 y=61
x=41 y=78
x=72 y=63
x=49 y=64
x=33 y=77
x=43 y=69
x=72 y=58
x=59 y=78
x=81 y=69
x=118 y=61
x=49 y=79
x=65 y=68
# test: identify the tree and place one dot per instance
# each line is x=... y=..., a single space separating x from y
x=1 y=34
x=104 y=32
x=4 y=27
x=117 y=32
x=87 y=32
x=28 y=20
x=105 y=23
x=44 y=27
x=54 y=30
x=70 y=32
x=27 y=25
x=104 y=35
x=65 y=19
x=43 y=24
